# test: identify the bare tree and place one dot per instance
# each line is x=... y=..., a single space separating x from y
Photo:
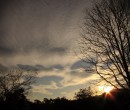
x=15 y=80
x=105 y=41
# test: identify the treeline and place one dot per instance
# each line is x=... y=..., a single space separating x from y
x=115 y=100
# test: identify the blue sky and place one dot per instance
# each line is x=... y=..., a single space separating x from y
x=43 y=35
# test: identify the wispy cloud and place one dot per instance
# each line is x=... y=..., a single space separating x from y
x=43 y=89
x=68 y=79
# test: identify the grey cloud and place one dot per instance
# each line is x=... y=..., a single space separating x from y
x=81 y=64
x=3 y=68
x=81 y=74
x=6 y=51
x=27 y=67
x=39 y=67
x=36 y=25
x=48 y=79
x=59 y=67
x=46 y=26
x=58 y=49
x=21 y=32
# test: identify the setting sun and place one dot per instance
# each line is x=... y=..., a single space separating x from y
x=105 y=89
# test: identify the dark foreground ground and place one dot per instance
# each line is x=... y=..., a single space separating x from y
x=116 y=100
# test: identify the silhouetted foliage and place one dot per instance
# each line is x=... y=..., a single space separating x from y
x=15 y=83
x=14 y=86
x=83 y=94
x=37 y=101
x=115 y=100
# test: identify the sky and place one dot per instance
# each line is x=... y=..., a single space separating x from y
x=43 y=35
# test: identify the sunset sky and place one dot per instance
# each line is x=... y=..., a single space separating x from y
x=43 y=35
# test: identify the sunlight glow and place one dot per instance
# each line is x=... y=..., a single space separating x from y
x=105 y=89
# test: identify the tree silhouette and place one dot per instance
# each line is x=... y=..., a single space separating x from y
x=105 y=41
x=15 y=83
x=83 y=94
